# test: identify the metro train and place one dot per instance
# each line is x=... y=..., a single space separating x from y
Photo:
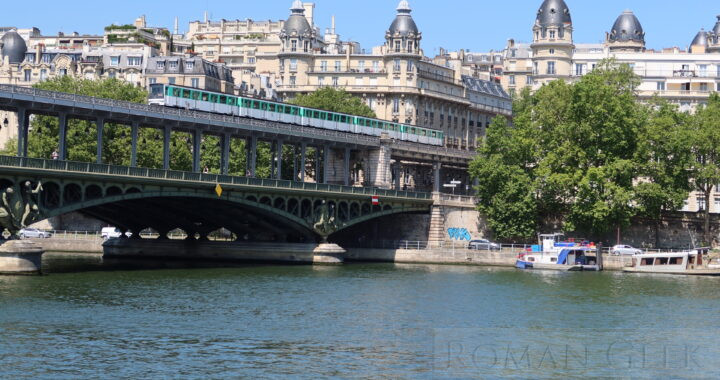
x=199 y=100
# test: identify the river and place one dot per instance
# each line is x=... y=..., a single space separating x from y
x=92 y=319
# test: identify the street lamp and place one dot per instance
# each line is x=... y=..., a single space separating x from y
x=6 y=122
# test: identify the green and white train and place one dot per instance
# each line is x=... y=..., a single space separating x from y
x=199 y=100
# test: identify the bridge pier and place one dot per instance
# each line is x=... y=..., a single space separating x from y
x=20 y=257
x=134 y=143
x=62 y=141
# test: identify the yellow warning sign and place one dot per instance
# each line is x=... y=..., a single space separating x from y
x=218 y=190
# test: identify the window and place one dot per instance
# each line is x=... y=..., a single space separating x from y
x=306 y=46
x=718 y=86
x=293 y=45
x=361 y=66
x=661 y=86
x=160 y=65
x=396 y=66
x=189 y=65
x=703 y=87
x=43 y=74
x=134 y=61
x=111 y=74
x=171 y=80
x=335 y=81
x=323 y=66
x=173 y=65
x=701 y=202
x=702 y=70
x=152 y=80
x=578 y=69
x=46 y=58
x=397 y=46
x=410 y=66
x=376 y=66
x=321 y=81
x=293 y=80
x=195 y=82
x=396 y=105
x=551 y=68
x=528 y=80
x=513 y=53
x=717 y=203
x=410 y=46
x=536 y=69
x=552 y=51
x=511 y=78
x=718 y=71
x=293 y=64
x=552 y=34
x=62 y=72
x=115 y=60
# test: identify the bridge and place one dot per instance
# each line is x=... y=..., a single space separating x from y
x=299 y=209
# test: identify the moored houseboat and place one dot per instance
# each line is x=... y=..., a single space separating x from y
x=555 y=254
x=692 y=262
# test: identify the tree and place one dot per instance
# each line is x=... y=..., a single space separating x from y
x=579 y=153
x=43 y=139
x=335 y=100
x=705 y=147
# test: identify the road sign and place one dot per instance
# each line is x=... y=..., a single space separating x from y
x=218 y=190
x=450 y=185
x=375 y=200
x=456 y=182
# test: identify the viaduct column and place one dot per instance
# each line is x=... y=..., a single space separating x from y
x=23 y=122
x=225 y=157
x=326 y=163
x=346 y=168
x=100 y=123
x=166 y=147
x=253 y=156
x=62 y=141
x=279 y=158
x=134 y=143
x=197 y=146
x=436 y=177
x=379 y=166
x=303 y=156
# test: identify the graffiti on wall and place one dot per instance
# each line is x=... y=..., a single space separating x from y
x=459 y=234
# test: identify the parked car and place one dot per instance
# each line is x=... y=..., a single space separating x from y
x=625 y=250
x=33 y=233
x=483 y=244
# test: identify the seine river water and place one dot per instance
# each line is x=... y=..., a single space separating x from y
x=91 y=319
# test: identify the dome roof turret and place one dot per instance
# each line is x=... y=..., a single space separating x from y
x=403 y=25
x=297 y=24
x=627 y=28
x=716 y=29
x=701 y=39
x=13 y=47
x=553 y=13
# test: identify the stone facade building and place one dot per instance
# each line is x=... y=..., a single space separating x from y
x=685 y=77
x=189 y=72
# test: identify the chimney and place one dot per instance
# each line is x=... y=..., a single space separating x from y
x=206 y=17
x=332 y=23
x=176 y=29
x=310 y=13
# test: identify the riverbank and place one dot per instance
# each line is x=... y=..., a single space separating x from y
x=275 y=252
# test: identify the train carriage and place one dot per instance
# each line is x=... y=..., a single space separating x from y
x=195 y=99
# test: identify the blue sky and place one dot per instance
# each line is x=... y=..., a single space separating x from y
x=478 y=25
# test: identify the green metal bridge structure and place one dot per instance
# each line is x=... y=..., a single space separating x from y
x=134 y=199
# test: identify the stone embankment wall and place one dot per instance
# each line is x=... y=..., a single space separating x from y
x=91 y=246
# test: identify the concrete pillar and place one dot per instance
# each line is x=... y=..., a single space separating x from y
x=197 y=147
x=398 y=170
x=253 y=156
x=303 y=157
x=295 y=164
x=279 y=156
x=326 y=162
x=166 y=147
x=23 y=124
x=62 y=141
x=100 y=124
x=134 y=129
x=346 y=168
x=379 y=168
x=225 y=155
x=437 y=186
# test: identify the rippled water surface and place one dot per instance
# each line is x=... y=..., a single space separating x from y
x=88 y=319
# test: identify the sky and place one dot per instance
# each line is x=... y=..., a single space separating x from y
x=475 y=25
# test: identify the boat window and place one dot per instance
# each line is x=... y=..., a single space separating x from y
x=662 y=261
x=531 y=259
x=553 y=259
x=691 y=260
x=676 y=261
x=647 y=261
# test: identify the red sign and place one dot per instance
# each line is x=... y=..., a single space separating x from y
x=375 y=200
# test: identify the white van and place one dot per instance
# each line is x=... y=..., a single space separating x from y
x=110 y=233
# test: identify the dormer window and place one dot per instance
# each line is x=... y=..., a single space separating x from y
x=397 y=46
x=293 y=45
x=410 y=46
x=552 y=34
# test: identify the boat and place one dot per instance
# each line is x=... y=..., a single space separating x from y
x=692 y=262
x=555 y=254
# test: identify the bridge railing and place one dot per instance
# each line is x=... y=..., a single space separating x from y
x=128 y=171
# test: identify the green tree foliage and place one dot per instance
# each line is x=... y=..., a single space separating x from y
x=705 y=148
x=587 y=154
x=335 y=100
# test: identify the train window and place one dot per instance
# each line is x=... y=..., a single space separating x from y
x=434 y=134
x=212 y=98
x=196 y=95
x=231 y=101
x=263 y=106
x=204 y=96
x=343 y=119
x=222 y=99
x=271 y=107
x=255 y=104
x=315 y=114
x=246 y=103
x=323 y=115
x=413 y=131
